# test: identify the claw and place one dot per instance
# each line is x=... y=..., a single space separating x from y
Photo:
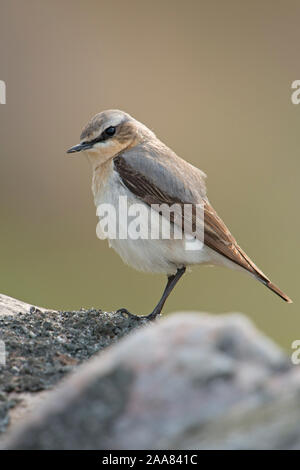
x=124 y=310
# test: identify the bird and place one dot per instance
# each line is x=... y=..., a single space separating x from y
x=128 y=160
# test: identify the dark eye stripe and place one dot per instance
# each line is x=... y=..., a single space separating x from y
x=104 y=136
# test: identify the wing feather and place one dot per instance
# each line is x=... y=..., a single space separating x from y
x=156 y=175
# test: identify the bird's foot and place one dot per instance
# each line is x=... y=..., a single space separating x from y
x=152 y=316
x=124 y=310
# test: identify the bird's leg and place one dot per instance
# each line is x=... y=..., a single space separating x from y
x=172 y=281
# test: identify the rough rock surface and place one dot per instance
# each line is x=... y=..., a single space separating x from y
x=42 y=346
x=188 y=381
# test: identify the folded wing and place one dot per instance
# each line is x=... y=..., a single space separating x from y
x=156 y=175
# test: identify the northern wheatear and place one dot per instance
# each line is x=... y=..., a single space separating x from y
x=128 y=160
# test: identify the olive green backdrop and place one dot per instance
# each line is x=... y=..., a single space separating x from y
x=213 y=80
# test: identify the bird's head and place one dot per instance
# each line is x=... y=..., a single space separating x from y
x=109 y=133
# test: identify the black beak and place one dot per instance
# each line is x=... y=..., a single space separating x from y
x=80 y=147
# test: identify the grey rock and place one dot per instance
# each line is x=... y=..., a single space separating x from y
x=189 y=381
x=42 y=346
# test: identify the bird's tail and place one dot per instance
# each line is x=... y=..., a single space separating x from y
x=275 y=289
x=218 y=238
x=260 y=276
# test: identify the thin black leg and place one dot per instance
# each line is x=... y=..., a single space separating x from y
x=172 y=281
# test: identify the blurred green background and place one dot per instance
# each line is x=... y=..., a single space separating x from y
x=213 y=80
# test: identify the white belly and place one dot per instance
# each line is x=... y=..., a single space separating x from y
x=146 y=254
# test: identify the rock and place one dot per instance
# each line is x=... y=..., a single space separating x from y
x=42 y=346
x=189 y=381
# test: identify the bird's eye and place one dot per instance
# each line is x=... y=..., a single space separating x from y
x=110 y=131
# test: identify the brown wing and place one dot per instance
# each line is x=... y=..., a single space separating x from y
x=216 y=234
x=219 y=238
